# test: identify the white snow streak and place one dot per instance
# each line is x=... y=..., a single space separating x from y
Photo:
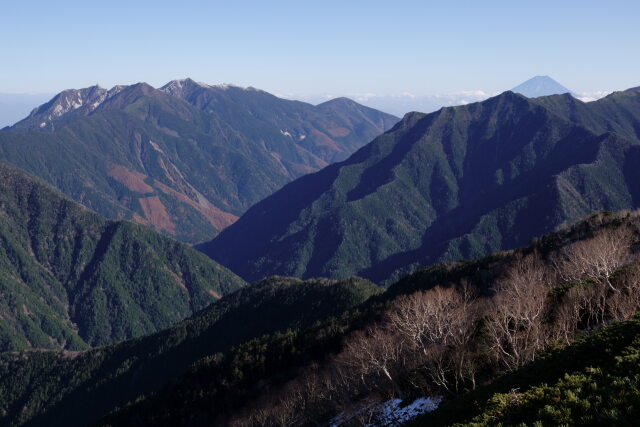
x=389 y=413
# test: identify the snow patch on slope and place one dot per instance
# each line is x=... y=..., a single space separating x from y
x=70 y=100
x=180 y=87
x=392 y=414
x=389 y=413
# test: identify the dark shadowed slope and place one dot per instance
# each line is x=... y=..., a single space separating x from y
x=457 y=183
x=72 y=279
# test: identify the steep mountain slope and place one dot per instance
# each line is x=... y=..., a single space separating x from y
x=72 y=279
x=540 y=86
x=186 y=159
x=366 y=355
x=458 y=183
x=49 y=388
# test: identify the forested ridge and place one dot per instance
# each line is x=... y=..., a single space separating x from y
x=71 y=279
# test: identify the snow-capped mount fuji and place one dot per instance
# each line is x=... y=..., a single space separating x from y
x=187 y=158
x=541 y=86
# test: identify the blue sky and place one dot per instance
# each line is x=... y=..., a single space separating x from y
x=320 y=47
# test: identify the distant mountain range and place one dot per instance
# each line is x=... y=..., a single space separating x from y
x=70 y=279
x=402 y=103
x=188 y=158
x=458 y=183
x=15 y=107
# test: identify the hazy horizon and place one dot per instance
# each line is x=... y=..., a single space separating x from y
x=16 y=106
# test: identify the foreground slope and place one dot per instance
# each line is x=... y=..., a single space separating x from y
x=71 y=279
x=457 y=183
x=188 y=158
x=58 y=388
x=442 y=331
x=265 y=354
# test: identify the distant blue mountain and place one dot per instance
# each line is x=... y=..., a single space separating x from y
x=541 y=86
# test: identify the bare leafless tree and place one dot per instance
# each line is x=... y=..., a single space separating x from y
x=567 y=317
x=373 y=353
x=625 y=303
x=438 y=324
x=597 y=258
x=514 y=326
